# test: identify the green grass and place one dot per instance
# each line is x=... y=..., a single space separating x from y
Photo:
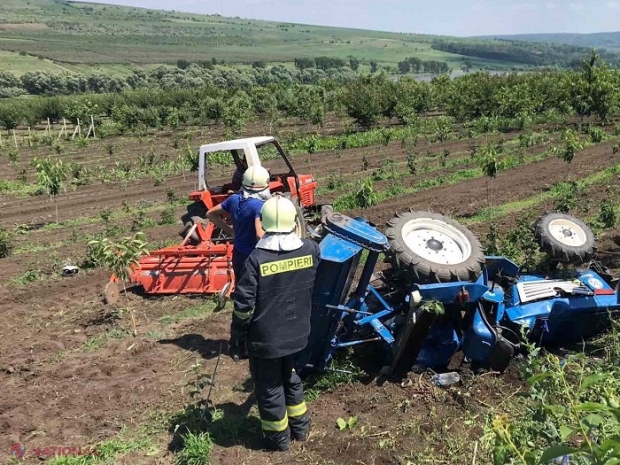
x=341 y=371
x=109 y=451
x=75 y=34
x=196 y=449
x=195 y=311
x=27 y=278
x=22 y=64
x=97 y=342
x=154 y=334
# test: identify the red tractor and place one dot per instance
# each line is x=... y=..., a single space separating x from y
x=202 y=263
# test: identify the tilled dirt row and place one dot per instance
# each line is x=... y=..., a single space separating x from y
x=88 y=200
x=129 y=150
x=469 y=197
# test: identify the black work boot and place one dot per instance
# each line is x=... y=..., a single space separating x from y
x=301 y=434
x=278 y=442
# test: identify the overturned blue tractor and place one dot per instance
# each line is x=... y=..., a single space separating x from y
x=440 y=294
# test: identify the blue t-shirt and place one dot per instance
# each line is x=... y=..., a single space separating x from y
x=243 y=213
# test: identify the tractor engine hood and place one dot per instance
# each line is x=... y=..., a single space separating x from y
x=562 y=309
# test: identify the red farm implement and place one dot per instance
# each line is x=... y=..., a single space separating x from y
x=202 y=263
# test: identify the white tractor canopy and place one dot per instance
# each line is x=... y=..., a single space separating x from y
x=248 y=145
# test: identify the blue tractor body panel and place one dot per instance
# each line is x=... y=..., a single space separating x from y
x=478 y=340
x=566 y=317
x=482 y=318
x=440 y=345
x=339 y=261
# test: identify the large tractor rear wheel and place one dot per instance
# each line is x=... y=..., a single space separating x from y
x=300 y=228
x=432 y=248
x=564 y=238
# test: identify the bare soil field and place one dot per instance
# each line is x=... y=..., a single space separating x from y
x=72 y=374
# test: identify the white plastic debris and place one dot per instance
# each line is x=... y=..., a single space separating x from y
x=70 y=270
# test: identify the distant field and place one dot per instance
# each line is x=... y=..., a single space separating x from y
x=76 y=34
x=19 y=64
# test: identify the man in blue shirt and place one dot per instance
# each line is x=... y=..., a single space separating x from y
x=244 y=208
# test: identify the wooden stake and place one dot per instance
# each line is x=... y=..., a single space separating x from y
x=14 y=138
x=29 y=137
x=1 y=145
x=91 y=128
x=77 y=130
x=64 y=128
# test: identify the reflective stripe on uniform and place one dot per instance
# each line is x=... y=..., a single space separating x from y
x=277 y=426
x=243 y=315
x=296 y=410
x=284 y=266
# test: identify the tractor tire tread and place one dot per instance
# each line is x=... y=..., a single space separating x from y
x=419 y=270
x=555 y=250
x=301 y=228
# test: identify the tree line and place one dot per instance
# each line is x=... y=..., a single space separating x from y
x=191 y=77
x=416 y=65
x=516 y=99
x=326 y=63
x=528 y=53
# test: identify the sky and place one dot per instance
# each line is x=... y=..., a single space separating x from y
x=443 y=17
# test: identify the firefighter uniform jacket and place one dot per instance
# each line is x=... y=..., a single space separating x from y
x=273 y=300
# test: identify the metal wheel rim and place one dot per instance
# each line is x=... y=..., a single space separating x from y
x=567 y=232
x=436 y=241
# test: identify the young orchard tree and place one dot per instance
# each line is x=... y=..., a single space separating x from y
x=365 y=196
x=489 y=163
x=265 y=105
x=236 y=114
x=10 y=116
x=592 y=89
x=412 y=98
x=570 y=146
x=310 y=105
x=363 y=102
x=119 y=257
x=51 y=176
x=6 y=246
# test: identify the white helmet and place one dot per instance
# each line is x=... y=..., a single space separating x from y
x=278 y=215
x=256 y=178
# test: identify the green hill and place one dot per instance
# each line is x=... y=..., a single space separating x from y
x=65 y=35
x=73 y=34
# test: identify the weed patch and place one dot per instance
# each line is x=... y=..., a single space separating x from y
x=195 y=311
x=97 y=342
x=571 y=411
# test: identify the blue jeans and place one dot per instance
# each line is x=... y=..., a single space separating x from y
x=238 y=261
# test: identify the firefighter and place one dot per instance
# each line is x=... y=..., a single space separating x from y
x=272 y=305
x=244 y=208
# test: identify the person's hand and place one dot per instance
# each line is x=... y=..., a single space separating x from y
x=237 y=344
